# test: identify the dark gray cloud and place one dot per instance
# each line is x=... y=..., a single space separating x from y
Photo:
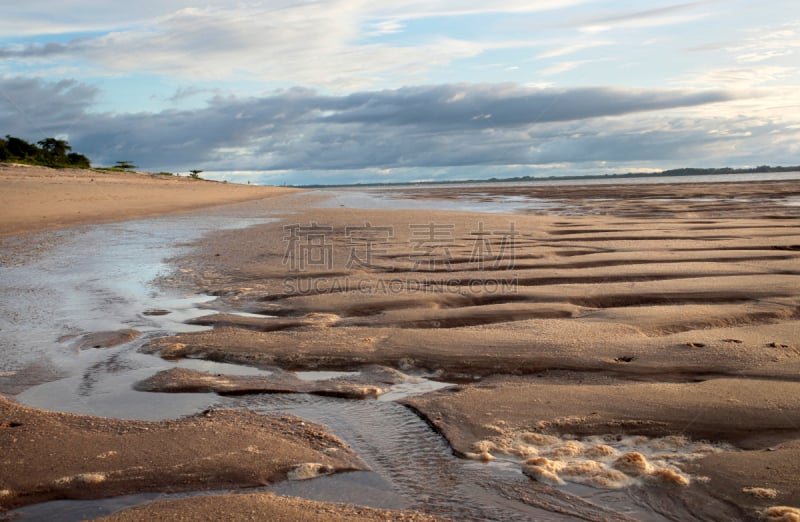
x=37 y=50
x=300 y=129
x=31 y=106
x=488 y=106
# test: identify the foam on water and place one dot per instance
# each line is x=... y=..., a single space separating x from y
x=781 y=514
x=609 y=462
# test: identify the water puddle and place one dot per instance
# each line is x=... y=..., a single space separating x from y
x=325 y=376
x=249 y=314
x=101 y=383
x=365 y=488
x=101 y=279
x=415 y=386
x=78 y=510
x=793 y=201
x=219 y=368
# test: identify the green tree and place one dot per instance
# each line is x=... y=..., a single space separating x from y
x=55 y=147
x=195 y=174
x=125 y=165
x=54 y=151
x=78 y=160
x=20 y=149
x=50 y=152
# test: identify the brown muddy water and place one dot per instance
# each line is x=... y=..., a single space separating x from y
x=104 y=278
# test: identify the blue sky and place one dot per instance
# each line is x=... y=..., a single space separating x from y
x=354 y=90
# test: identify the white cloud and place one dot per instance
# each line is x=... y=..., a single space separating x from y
x=314 y=44
x=768 y=43
x=411 y=9
x=42 y=17
x=742 y=77
x=660 y=16
x=385 y=27
x=570 y=49
x=563 y=67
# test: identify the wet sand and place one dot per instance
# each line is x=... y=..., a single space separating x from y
x=673 y=313
x=49 y=455
x=644 y=339
x=255 y=506
x=33 y=199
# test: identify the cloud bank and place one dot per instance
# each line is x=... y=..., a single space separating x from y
x=426 y=126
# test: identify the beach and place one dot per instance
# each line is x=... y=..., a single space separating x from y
x=614 y=352
x=40 y=198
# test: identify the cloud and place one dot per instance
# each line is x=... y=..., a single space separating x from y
x=182 y=93
x=299 y=43
x=570 y=49
x=563 y=67
x=47 y=50
x=660 y=16
x=743 y=77
x=411 y=9
x=337 y=44
x=44 y=108
x=768 y=43
x=300 y=129
x=48 y=17
x=385 y=27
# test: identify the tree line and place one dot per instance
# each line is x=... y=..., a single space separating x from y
x=49 y=152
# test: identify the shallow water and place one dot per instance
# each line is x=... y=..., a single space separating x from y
x=97 y=278
x=102 y=278
x=388 y=200
x=413 y=467
x=396 y=197
x=647 y=180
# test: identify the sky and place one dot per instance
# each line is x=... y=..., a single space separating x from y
x=353 y=91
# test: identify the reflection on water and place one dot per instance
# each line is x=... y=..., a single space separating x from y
x=101 y=279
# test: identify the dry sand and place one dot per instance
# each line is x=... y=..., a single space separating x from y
x=39 y=198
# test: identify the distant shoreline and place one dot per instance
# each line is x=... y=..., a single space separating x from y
x=683 y=172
